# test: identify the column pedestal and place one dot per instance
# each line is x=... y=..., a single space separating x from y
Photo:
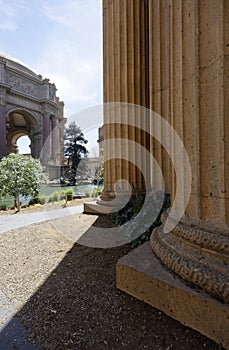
x=142 y=275
x=199 y=255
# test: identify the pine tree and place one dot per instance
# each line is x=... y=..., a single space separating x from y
x=75 y=149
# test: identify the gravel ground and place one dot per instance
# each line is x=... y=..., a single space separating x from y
x=65 y=296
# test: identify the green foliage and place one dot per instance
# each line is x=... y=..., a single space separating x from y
x=6 y=202
x=87 y=192
x=42 y=200
x=132 y=209
x=74 y=149
x=68 y=194
x=83 y=173
x=54 y=197
x=98 y=191
x=62 y=195
x=3 y=207
x=99 y=173
x=69 y=191
x=34 y=201
x=20 y=175
x=38 y=200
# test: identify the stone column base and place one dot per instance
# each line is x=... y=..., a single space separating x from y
x=96 y=208
x=107 y=202
x=100 y=205
x=143 y=276
x=197 y=253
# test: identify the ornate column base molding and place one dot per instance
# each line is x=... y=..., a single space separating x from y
x=142 y=275
x=106 y=203
x=195 y=254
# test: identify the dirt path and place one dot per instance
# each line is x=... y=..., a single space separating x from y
x=65 y=297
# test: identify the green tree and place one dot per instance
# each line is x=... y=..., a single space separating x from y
x=20 y=175
x=99 y=173
x=75 y=149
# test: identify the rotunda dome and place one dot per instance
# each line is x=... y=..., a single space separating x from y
x=16 y=64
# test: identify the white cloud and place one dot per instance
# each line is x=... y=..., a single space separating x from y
x=71 y=55
x=76 y=76
x=71 y=13
x=9 y=14
x=57 y=14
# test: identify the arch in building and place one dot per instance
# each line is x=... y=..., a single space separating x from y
x=23 y=145
x=20 y=122
x=28 y=106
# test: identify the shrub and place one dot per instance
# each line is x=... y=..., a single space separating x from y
x=62 y=195
x=133 y=207
x=43 y=200
x=69 y=191
x=67 y=194
x=34 y=201
x=98 y=191
x=54 y=197
x=130 y=210
x=87 y=192
x=3 y=207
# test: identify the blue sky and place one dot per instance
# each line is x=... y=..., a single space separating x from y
x=62 y=41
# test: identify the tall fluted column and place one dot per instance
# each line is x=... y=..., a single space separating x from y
x=55 y=139
x=46 y=139
x=159 y=85
x=187 y=277
x=197 y=249
x=2 y=127
x=125 y=40
x=3 y=142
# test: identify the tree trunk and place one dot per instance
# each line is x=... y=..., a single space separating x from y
x=17 y=203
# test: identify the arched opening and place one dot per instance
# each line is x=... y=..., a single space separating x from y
x=22 y=133
x=23 y=145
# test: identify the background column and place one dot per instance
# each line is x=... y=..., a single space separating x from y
x=55 y=139
x=46 y=137
x=2 y=127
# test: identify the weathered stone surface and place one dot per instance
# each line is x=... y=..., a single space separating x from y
x=187 y=66
x=143 y=276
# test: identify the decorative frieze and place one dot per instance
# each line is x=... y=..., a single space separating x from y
x=24 y=96
x=52 y=92
x=22 y=85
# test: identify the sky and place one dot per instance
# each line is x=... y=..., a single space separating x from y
x=62 y=41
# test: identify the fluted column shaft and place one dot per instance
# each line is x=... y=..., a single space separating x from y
x=197 y=248
x=55 y=139
x=46 y=139
x=125 y=40
x=2 y=128
x=159 y=85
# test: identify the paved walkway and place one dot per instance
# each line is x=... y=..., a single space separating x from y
x=12 y=334
x=11 y=221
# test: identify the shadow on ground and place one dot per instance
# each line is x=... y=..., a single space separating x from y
x=79 y=307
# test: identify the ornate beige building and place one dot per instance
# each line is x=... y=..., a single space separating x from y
x=28 y=106
x=172 y=56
